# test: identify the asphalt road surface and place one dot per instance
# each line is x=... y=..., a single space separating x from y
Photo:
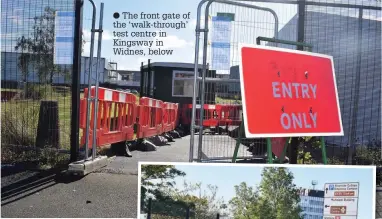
x=108 y=192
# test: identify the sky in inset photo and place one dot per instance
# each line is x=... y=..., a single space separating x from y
x=226 y=177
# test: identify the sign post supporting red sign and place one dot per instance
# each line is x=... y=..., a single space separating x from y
x=288 y=93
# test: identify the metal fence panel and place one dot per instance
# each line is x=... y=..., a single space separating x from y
x=331 y=27
x=248 y=24
x=35 y=91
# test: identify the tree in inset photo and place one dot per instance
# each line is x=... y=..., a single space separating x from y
x=275 y=198
x=162 y=199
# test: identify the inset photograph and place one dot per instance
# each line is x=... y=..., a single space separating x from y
x=181 y=190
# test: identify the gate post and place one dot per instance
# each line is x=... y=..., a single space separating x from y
x=76 y=72
x=301 y=24
x=100 y=30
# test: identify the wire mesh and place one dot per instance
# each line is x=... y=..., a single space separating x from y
x=333 y=28
x=35 y=92
x=246 y=26
x=353 y=37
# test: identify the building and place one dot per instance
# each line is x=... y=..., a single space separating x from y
x=127 y=78
x=337 y=35
x=17 y=22
x=130 y=75
x=174 y=82
x=12 y=74
x=312 y=203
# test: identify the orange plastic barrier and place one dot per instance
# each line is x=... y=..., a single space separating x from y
x=150 y=117
x=115 y=118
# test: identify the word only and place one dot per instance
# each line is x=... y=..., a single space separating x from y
x=296 y=120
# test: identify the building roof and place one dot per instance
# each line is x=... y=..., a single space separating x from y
x=173 y=64
x=127 y=72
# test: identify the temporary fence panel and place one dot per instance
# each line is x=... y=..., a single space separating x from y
x=229 y=23
x=348 y=31
x=36 y=84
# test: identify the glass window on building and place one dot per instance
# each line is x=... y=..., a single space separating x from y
x=183 y=83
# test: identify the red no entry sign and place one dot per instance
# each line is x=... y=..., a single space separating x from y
x=288 y=93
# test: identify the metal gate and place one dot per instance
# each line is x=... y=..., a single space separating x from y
x=221 y=147
x=320 y=24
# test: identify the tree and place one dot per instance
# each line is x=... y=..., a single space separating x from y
x=25 y=58
x=158 y=182
x=279 y=194
x=245 y=202
x=37 y=50
x=306 y=144
x=275 y=198
x=155 y=178
x=205 y=202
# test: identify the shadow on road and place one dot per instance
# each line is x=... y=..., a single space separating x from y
x=35 y=183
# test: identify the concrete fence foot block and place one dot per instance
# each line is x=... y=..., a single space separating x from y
x=148 y=146
x=83 y=167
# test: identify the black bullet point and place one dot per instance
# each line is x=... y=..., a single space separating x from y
x=116 y=15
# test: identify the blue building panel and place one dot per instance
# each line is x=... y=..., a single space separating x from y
x=10 y=70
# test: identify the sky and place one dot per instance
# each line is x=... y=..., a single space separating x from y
x=249 y=24
x=226 y=177
x=182 y=41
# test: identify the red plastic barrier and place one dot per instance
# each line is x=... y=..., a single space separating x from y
x=150 y=117
x=167 y=116
x=211 y=115
x=214 y=115
x=175 y=119
x=170 y=116
x=230 y=115
x=115 y=118
x=185 y=114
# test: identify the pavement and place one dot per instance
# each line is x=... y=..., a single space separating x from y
x=108 y=192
